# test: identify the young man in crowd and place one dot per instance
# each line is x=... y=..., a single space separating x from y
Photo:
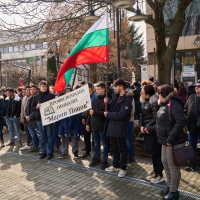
x=46 y=132
x=87 y=134
x=23 y=119
x=192 y=110
x=118 y=118
x=13 y=110
x=30 y=118
x=95 y=123
x=136 y=96
x=19 y=93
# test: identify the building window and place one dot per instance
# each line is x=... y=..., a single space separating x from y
x=1 y=50
x=21 y=48
x=5 y=49
x=16 y=48
x=27 y=47
x=10 y=49
x=45 y=45
x=38 y=45
x=32 y=46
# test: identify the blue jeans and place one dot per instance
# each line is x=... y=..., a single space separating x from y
x=46 y=137
x=129 y=139
x=34 y=136
x=13 y=125
x=193 y=140
x=100 y=137
x=55 y=135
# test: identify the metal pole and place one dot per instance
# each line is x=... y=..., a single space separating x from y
x=118 y=47
x=0 y=70
x=74 y=77
x=57 y=61
x=29 y=76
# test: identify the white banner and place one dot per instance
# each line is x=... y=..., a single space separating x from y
x=64 y=106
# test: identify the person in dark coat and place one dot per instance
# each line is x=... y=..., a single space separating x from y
x=136 y=96
x=2 y=114
x=13 y=110
x=118 y=117
x=169 y=127
x=149 y=108
x=95 y=123
x=192 y=111
x=31 y=121
x=45 y=132
x=182 y=92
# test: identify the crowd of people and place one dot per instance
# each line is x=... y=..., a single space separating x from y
x=162 y=111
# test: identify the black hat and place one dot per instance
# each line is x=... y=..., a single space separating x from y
x=135 y=83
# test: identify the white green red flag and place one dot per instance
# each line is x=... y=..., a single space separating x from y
x=92 y=48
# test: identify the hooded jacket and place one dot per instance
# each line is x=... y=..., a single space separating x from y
x=170 y=131
x=119 y=115
x=16 y=106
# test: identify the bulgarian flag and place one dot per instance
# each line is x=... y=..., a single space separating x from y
x=92 y=48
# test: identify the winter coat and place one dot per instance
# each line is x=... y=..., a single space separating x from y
x=16 y=106
x=97 y=120
x=40 y=98
x=170 y=131
x=70 y=125
x=28 y=112
x=148 y=118
x=2 y=106
x=24 y=104
x=119 y=115
x=136 y=96
x=190 y=111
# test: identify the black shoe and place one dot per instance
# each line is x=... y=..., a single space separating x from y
x=190 y=169
x=33 y=149
x=50 y=156
x=42 y=156
x=130 y=159
x=85 y=155
x=10 y=144
x=63 y=156
x=94 y=162
x=104 y=165
x=172 y=196
x=83 y=149
x=76 y=154
x=165 y=191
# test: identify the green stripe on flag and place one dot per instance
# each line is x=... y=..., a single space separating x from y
x=68 y=76
x=94 y=39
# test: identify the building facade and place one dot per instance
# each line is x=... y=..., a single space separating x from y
x=186 y=64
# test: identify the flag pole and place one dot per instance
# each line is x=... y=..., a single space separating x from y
x=106 y=105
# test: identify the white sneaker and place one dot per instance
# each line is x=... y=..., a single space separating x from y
x=26 y=147
x=151 y=176
x=112 y=169
x=121 y=173
x=158 y=179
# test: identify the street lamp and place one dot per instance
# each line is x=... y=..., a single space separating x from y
x=91 y=17
x=123 y=4
x=138 y=17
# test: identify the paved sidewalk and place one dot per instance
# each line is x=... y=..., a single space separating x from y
x=27 y=177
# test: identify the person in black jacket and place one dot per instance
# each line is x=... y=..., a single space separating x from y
x=13 y=110
x=117 y=122
x=2 y=113
x=30 y=117
x=46 y=132
x=149 y=108
x=192 y=110
x=136 y=96
x=169 y=127
x=95 y=123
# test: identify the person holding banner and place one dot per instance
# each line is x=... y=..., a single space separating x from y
x=118 y=117
x=95 y=123
x=45 y=132
x=70 y=128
